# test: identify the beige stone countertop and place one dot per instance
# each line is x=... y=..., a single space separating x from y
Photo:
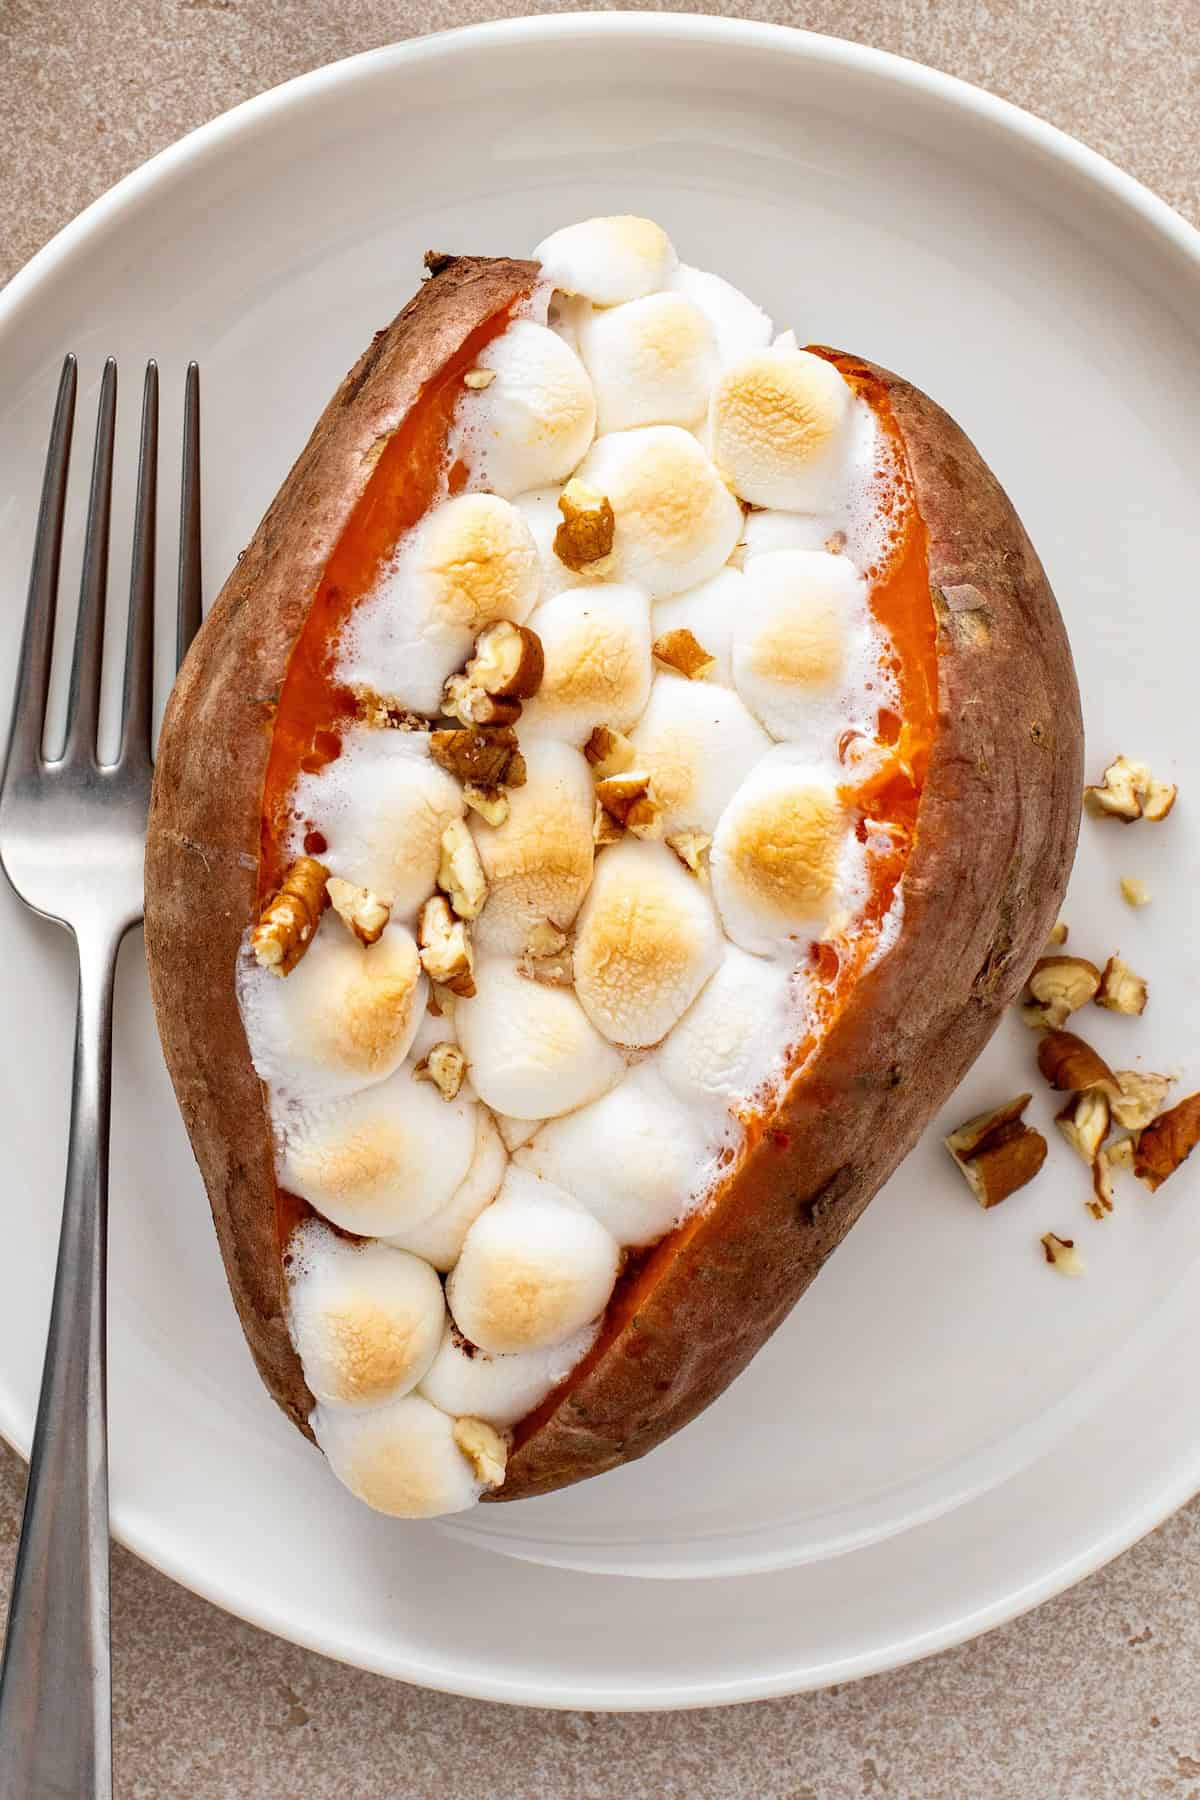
x=1094 y=1697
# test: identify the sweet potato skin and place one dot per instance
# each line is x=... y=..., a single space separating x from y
x=202 y=844
x=996 y=835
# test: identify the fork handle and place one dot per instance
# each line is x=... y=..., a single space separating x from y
x=55 y=1685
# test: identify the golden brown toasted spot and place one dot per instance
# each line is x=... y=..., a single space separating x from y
x=786 y=849
x=804 y=647
x=374 y=1349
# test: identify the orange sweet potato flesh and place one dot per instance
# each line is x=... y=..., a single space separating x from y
x=994 y=840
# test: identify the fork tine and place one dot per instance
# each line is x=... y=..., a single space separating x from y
x=37 y=641
x=138 y=699
x=83 y=707
x=188 y=620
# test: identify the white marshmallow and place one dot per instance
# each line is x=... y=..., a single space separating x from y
x=469 y=562
x=400 y=1458
x=766 y=531
x=709 y=612
x=382 y=807
x=366 y=1321
x=566 y=315
x=608 y=260
x=803 y=628
x=738 y=324
x=538 y=863
x=734 y=1038
x=532 y=1049
x=635 y=1158
x=675 y=520
x=785 y=862
x=439 y=1239
x=698 y=742
x=535 y=1269
x=598 y=666
x=343 y=1018
x=516 y=1132
x=780 y=423
x=381 y=1160
x=647 y=942
x=652 y=362
x=534 y=422
x=500 y=1389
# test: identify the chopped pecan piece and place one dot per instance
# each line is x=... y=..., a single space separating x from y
x=445 y=1067
x=682 y=651
x=997 y=1152
x=290 y=917
x=1167 y=1142
x=1134 y=892
x=1073 y=1066
x=1061 y=1254
x=460 y=872
x=1085 y=1122
x=473 y=705
x=1059 y=986
x=690 y=847
x=609 y=752
x=445 y=949
x=630 y=799
x=486 y=758
x=360 y=911
x=1120 y=989
x=584 y=540
x=508 y=662
x=491 y=803
x=1140 y=1099
x=1119 y=792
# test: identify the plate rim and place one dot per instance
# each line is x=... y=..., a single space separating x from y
x=1089 y=165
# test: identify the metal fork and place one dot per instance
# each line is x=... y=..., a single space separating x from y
x=72 y=834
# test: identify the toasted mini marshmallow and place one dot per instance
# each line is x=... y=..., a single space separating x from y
x=535 y=1269
x=735 y=1036
x=439 y=1239
x=634 y=1158
x=431 y=1032
x=676 y=521
x=738 y=325
x=783 y=859
x=767 y=531
x=343 y=1018
x=534 y=422
x=698 y=742
x=532 y=1049
x=709 y=612
x=652 y=362
x=596 y=642
x=780 y=429
x=647 y=942
x=608 y=260
x=381 y=1160
x=400 y=1458
x=802 y=621
x=538 y=863
x=366 y=1320
x=383 y=806
x=469 y=562
x=500 y=1389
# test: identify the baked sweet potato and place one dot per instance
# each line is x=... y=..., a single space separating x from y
x=966 y=798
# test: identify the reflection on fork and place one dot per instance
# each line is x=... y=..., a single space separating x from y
x=71 y=843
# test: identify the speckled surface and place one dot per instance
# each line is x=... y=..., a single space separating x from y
x=1094 y=1697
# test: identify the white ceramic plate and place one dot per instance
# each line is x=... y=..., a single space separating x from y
x=921 y=1450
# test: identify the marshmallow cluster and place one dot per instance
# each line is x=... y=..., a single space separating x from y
x=478 y=1159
